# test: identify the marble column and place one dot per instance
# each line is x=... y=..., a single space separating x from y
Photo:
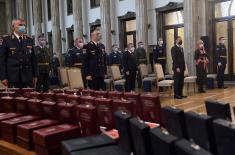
x=190 y=33
x=37 y=15
x=86 y=28
x=195 y=26
x=8 y=15
x=44 y=18
x=142 y=23
x=77 y=19
x=114 y=21
x=106 y=24
x=56 y=35
x=21 y=9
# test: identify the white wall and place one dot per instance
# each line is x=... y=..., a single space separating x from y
x=92 y=14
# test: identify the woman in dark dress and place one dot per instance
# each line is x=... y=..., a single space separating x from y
x=201 y=61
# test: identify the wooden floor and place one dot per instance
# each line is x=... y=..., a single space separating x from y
x=194 y=102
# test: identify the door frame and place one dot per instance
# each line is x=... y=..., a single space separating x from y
x=230 y=49
x=122 y=30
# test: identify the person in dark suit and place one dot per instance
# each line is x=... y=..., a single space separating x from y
x=177 y=54
x=130 y=67
x=200 y=57
x=141 y=58
x=221 y=59
x=55 y=64
x=44 y=65
x=159 y=54
x=95 y=62
x=18 y=65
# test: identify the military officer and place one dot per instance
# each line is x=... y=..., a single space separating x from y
x=130 y=67
x=76 y=57
x=221 y=59
x=44 y=65
x=95 y=62
x=115 y=57
x=76 y=54
x=18 y=65
x=159 y=54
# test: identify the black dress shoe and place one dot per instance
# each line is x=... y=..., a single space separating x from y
x=201 y=91
x=177 y=97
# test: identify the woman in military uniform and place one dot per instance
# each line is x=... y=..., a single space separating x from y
x=201 y=61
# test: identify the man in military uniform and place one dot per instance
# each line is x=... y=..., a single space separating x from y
x=221 y=59
x=141 y=58
x=159 y=54
x=115 y=57
x=44 y=65
x=95 y=62
x=76 y=57
x=18 y=65
x=76 y=54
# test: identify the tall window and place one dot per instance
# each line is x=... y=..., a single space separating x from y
x=95 y=3
x=69 y=7
x=49 y=9
x=225 y=9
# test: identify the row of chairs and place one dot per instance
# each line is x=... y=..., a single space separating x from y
x=135 y=137
x=27 y=115
x=182 y=133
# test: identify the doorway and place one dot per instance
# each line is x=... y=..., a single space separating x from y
x=224 y=26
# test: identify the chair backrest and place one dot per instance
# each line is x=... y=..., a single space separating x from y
x=143 y=70
x=186 y=72
x=63 y=76
x=159 y=71
x=75 y=78
x=116 y=74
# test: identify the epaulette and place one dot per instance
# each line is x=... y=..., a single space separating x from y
x=27 y=36
x=4 y=36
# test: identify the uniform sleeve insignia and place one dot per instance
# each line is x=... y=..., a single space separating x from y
x=29 y=47
x=27 y=36
x=1 y=41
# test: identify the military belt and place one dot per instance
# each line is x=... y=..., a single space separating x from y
x=77 y=64
x=43 y=64
x=162 y=58
x=223 y=56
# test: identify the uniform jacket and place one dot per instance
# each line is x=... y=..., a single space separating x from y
x=43 y=59
x=95 y=60
x=221 y=54
x=17 y=59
